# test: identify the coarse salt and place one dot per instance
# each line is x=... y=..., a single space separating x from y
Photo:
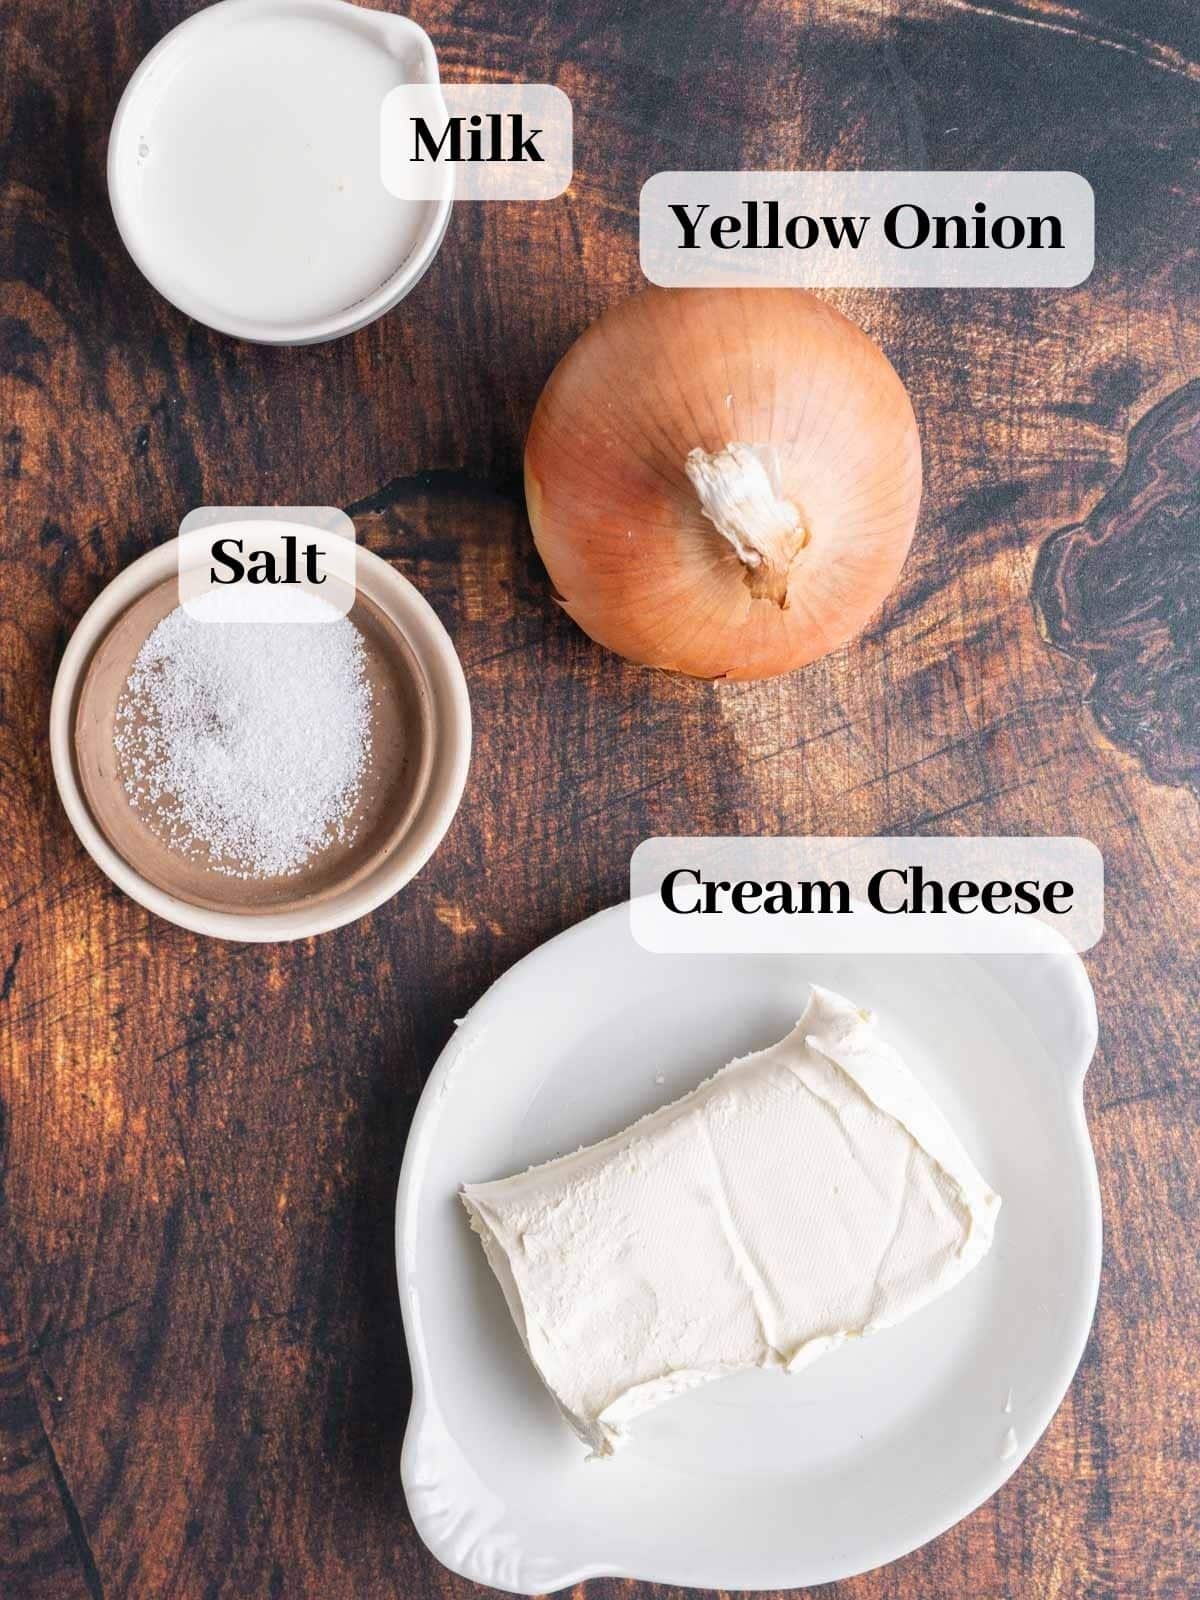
x=245 y=743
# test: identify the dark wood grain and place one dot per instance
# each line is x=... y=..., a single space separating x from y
x=1120 y=591
x=202 y=1379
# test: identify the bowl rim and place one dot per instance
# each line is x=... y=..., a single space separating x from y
x=299 y=331
x=450 y=739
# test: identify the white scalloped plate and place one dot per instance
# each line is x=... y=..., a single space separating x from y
x=759 y=1481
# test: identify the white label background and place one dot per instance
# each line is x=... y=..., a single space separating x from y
x=540 y=105
x=864 y=930
x=267 y=528
x=874 y=263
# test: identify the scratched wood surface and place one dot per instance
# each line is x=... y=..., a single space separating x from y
x=203 y=1384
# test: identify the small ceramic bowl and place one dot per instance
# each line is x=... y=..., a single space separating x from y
x=244 y=168
x=419 y=692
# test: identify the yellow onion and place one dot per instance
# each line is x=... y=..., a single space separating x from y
x=723 y=482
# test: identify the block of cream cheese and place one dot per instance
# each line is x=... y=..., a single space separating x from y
x=804 y=1195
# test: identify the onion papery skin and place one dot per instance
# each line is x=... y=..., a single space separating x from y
x=630 y=553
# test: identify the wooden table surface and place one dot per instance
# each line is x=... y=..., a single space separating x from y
x=203 y=1385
